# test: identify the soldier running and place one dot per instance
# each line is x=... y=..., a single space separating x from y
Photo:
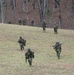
x=57 y=48
x=29 y=55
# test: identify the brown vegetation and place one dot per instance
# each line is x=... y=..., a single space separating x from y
x=67 y=19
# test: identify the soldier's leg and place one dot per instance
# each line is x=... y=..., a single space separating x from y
x=60 y=51
x=58 y=54
x=55 y=31
x=43 y=28
x=30 y=61
x=20 y=46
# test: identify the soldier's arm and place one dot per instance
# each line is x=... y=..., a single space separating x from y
x=54 y=46
x=18 y=41
x=26 y=57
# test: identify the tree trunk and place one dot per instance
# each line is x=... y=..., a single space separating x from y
x=42 y=9
x=25 y=6
x=72 y=13
x=57 y=2
x=33 y=3
x=72 y=8
x=5 y=9
x=0 y=8
x=2 y=13
x=59 y=10
x=13 y=9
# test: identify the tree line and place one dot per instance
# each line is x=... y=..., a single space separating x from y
x=43 y=7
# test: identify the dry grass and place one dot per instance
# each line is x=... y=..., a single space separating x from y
x=12 y=60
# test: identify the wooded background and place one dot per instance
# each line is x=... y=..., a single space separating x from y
x=54 y=12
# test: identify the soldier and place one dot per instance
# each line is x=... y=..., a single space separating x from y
x=55 y=29
x=20 y=21
x=57 y=48
x=24 y=21
x=32 y=22
x=22 y=43
x=9 y=22
x=29 y=55
x=44 y=25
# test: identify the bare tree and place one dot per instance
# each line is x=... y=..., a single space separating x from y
x=72 y=8
x=42 y=9
x=5 y=6
x=0 y=8
x=57 y=2
x=13 y=5
x=2 y=13
x=33 y=3
x=25 y=6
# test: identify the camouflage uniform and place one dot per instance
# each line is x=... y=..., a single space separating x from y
x=44 y=25
x=20 y=21
x=22 y=43
x=28 y=56
x=55 y=29
x=32 y=22
x=57 y=48
x=24 y=21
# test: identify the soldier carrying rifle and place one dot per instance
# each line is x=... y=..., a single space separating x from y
x=57 y=48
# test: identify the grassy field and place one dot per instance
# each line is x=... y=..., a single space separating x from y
x=12 y=61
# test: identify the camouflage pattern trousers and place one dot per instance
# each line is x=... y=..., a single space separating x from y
x=30 y=61
x=58 y=54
